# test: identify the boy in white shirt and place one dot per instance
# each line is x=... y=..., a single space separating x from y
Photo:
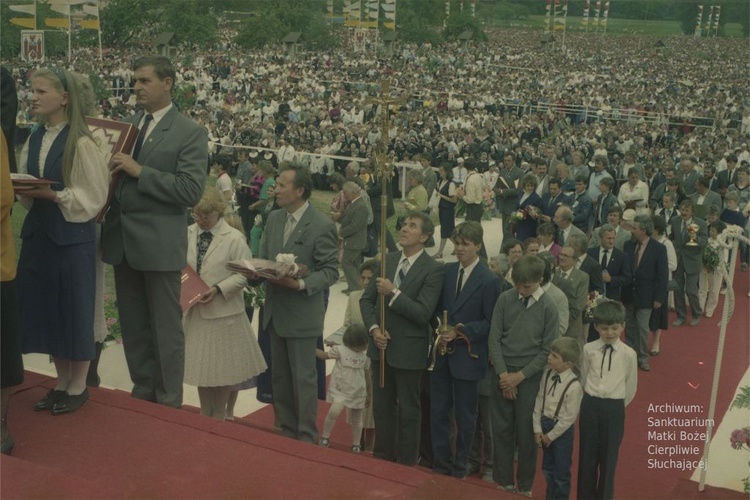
x=609 y=375
x=555 y=412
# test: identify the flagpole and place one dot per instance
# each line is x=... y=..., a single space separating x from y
x=99 y=22
x=70 y=29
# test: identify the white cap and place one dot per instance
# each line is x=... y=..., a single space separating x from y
x=628 y=215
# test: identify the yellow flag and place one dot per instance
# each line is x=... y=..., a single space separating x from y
x=26 y=22
x=90 y=24
x=57 y=22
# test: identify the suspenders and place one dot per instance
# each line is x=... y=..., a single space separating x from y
x=562 y=396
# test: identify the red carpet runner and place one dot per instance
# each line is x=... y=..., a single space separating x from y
x=117 y=447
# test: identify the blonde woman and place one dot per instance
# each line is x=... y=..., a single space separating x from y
x=56 y=269
x=221 y=350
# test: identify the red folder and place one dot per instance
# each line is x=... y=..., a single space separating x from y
x=112 y=137
x=193 y=288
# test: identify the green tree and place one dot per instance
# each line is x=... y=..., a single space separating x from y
x=122 y=21
x=189 y=20
x=274 y=20
x=459 y=22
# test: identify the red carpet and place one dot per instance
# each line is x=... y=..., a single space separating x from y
x=118 y=447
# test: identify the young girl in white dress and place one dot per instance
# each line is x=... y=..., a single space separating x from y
x=348 y=386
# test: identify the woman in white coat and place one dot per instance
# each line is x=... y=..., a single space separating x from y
x=221 y=349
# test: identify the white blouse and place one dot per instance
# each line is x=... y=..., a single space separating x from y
x=629 y=193
x=89 y=178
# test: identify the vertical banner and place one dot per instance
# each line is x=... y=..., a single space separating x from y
x=547 y=17
x=329 y=8
x=447 y=12
x=717 y=13
x=699 y=21
x=598 y=11
x=355 y=14
x=561 y=17
x=473 y=8
x=605 y=16
x=585 y=18
x=709 y=24
x=373 y=12
x=389 y=12
x=32 y=45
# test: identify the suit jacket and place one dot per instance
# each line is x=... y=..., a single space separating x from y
x=550 y=206
x=146 y=221
x=712 y=198
x=407 y=318
x=619 y=269
x=577 y=286
x=601 y=207
x=594 y=270
x=300 y=313
x=674 y=215
x=227 y=244
x=354 y=225
x=583 y=209
x=723 y=178
x=688 y=181
x=473 y=309
x=691 y=257
x=573 y=230
x=507 y=182
x=650 y=276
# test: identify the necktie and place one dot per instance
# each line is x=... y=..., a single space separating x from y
x=561 y=239
x=555 y=381
x=604 y=259
x=204 y=240
x=142 y=135
x=460 y=282
x=288 y=227
x=402 y=272
x=684 y=231
x=525 y=301
x=637 y=255
x=607 y=347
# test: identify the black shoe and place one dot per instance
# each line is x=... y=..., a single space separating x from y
x=48 y=401
x=7 y=447
x=69 y=404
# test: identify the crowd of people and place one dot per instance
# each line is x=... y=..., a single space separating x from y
x=613 y=172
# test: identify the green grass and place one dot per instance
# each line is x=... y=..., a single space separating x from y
x=614 y=26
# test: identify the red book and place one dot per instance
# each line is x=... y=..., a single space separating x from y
x=22 y=182
x=112 y=137
x=193 y=288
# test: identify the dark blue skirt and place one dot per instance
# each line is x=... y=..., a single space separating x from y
x=56 y=295
x=447 y=216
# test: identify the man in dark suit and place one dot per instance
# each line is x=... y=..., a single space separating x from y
x=411 y=291
x=353 y=231
x=648 y=289
x=582 y=207
x=507 y=189
x=728 y=177
x=709 y=173
x=552 y=200
x=669 y=211
x=688 y=176
x=689 y=263
x=704 y=198
x=616 y=271
x=144 y=235
x=587 y=264
x=294 y=310
x=470 y=291
x=604 y=201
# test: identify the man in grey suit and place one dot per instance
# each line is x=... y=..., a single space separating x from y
x=353 y=231
x=294 y=310
x=704 y=198
x=564 y=222
x=566 y=271
x=144 y=235
x=688 y=176
x=506 y=189
x=689 y=263
x=411 y=290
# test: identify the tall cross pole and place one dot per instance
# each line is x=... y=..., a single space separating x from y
x=384 y=171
